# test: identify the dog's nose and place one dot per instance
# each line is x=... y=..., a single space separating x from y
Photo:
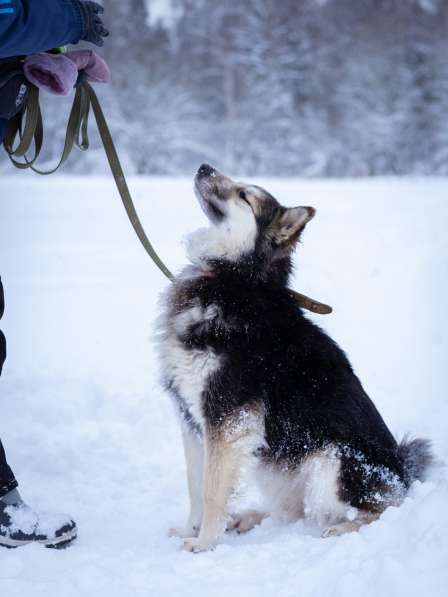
x=205 y=170
x=311 y=212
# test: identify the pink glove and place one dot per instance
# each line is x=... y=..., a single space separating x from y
x=53 y=73
x=93 y=65
x=58 y=73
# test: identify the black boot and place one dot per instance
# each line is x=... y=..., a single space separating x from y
x=20 y=525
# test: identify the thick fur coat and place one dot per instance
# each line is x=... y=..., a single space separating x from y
x=255 y=381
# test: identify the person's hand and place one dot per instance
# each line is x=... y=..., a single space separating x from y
x=93 y=26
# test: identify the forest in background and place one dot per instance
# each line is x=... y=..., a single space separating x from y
x=273 y=88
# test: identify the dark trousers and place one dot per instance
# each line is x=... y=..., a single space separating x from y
x=7 y=479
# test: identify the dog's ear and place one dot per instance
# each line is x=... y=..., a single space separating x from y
x=290 y=224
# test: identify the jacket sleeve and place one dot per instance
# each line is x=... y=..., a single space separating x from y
x=30 y=26
x=3 y=124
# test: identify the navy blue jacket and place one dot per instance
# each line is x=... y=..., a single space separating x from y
x=30 y=26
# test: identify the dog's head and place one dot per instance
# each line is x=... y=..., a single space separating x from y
x=247 y=222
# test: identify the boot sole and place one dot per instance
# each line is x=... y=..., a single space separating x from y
x=56 y=543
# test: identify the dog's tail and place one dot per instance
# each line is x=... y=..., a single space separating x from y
x=416 y=456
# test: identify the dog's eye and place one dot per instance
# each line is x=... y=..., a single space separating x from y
x=243 y=196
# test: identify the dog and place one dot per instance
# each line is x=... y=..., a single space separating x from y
x=258 y=386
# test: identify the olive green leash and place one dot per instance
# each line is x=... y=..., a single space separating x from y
x=27 y=127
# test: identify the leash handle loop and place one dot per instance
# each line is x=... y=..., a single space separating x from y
x=78 y=114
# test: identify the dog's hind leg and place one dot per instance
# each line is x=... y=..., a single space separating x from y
x=351 y=526
x=194 y=457
x=226 y=452
x=246 y=521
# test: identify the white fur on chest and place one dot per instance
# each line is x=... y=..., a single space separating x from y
x=187 y=369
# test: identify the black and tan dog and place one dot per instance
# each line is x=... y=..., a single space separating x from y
x=255 y=382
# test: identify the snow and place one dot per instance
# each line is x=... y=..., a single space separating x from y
x=88 y=429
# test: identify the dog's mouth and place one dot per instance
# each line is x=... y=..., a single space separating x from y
x=209 y=186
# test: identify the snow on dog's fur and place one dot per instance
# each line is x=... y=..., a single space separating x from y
x=255 y=382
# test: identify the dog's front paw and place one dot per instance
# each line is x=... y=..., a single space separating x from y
x=193 y=545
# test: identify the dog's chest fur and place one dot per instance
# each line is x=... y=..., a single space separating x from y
x=186 y=368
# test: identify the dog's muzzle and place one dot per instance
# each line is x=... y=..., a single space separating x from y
x=205 y=170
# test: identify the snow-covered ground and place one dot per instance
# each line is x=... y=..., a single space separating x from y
x=87 y=428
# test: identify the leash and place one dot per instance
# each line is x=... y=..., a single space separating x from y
x=27 y=128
